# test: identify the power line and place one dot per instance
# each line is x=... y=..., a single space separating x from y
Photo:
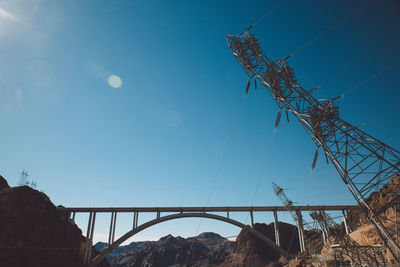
x=384 y=49
x=307 y=185
x=221 y=164
x=340 y=22
x=264 y=164
x=386 y=68
x=267 y=14
x=390 y=109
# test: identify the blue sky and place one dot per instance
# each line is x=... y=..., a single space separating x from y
x=158 y=139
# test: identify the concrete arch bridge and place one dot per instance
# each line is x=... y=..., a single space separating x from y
x=187 y=212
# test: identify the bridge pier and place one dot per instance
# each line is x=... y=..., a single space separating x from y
x=345 y=222
x=276 y=228
x=300 y=230
x=135 y=219
x=113 y=221
x=251 y=218
x=346 y=227
x=395 y=227
x=114 y=224
x=110 y=232
x=73 y=217
x=89 y=238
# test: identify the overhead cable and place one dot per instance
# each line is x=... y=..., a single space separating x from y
x=340 y=22
x=384 y=49
x=267 y=14
x=386 y=68
x=221 y=163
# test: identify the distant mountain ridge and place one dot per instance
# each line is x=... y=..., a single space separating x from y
x=119 y=250
x=206 y=249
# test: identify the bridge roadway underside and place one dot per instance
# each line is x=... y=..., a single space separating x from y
x=185 y=212
x=212 y=209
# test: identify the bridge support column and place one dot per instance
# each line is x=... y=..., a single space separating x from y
x=300 y=230
x=276 y=228
x=395 y=227
x=135 y=219
x=346 y=227
x=111 y=228
x=251 y=218
x=89 y=254
x=89 y=238
x=73 y=217
x=323 y=236
x=114 y=223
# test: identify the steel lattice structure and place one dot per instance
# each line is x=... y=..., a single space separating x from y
x=363 y=162
x=306 y=241
x=359 y=255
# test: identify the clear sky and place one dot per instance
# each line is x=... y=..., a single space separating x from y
x=158 y=138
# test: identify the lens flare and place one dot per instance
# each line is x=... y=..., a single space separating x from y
x=114 y=81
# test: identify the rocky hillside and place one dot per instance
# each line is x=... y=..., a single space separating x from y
x=379 y=201
x=382 y=202
x=207 y=249
x=34 y=233
x=250 y=251
x=362 y=231
x=118 y=251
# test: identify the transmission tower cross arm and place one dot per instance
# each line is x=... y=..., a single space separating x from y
x=363 y=162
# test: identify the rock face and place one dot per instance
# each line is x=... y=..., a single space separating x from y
x=34 y=233
x=3 y=183
x=378 y=201
x=207 y=249
x=250 y=251
x=363 y=232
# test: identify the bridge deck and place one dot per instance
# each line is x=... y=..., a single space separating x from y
x=210 y=209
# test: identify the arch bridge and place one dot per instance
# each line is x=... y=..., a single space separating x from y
x=188 y=212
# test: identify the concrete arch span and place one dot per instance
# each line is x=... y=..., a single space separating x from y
x=148 y=224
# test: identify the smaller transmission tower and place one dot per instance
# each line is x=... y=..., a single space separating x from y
x=344 y=245
x=306 y=241
x=23 y=179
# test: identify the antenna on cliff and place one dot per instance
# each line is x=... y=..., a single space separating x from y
x=23 y=179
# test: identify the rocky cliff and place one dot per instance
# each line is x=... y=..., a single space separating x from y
x=250 y=251
x=34 y=233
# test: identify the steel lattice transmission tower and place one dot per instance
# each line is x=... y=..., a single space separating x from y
x=306 y=241
x=23 y=179
x=344 y=244
x=363 y=162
